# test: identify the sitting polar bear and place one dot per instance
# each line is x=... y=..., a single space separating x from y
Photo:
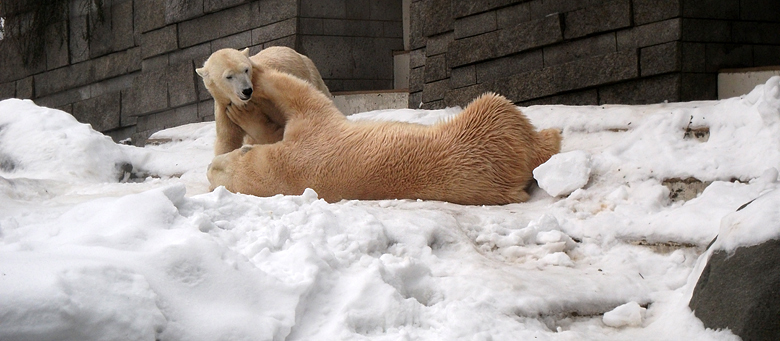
x=241 y=116
x=483 y=156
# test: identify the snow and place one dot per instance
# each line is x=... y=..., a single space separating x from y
x=629 y=314
x=89 y=251
x=564 y=172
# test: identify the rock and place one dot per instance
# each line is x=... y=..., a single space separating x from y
x=739 y=288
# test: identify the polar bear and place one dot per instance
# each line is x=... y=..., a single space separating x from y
x=482 y=156
x=241 y=116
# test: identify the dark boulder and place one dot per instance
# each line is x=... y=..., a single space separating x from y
x=741 y=291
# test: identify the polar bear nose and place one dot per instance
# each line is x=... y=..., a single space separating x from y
x=247 y=92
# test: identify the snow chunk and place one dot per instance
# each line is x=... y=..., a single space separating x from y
x=629 y=314
x=42 y=143
x=564 y=173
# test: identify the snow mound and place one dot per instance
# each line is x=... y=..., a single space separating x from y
x=564 y=173
x=630 y=314
x=43 y=143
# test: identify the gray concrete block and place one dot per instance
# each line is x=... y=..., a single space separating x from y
x=78 y=44
x=608 y=16
x=473 y=49
x=216 y=5
x=63 y=98
x=435 y=91
x=180 y=10
x=212 y=26
x=288 y=41
x=658 y=59
x=756 y=32
x=206 y=110
x=356 y=28
x=438 y=44
x=587 y=47
x=726 y=56
x=274 y=31
x=513 y=15
x=149 y=94
x=123 y=134
x=705 y=30
x=237 y=41
x=415 y=100
x=530 y=35
x=7 y=90
x=122 y=28
x=759 y=10
x=358 y=9
x=310 y=26
x=115 y=64
x=417 y=58
x=323 y=9
x=463 y=76
x=115 y=84
x=436 y=68
x=367 y=84
x=435 y=105
x=528 y=85
x=647 y=11
x=650 y=34
x=64 y=78
x=582 y=73
x=436 y=17
x=266 y=12
x=540 y=9
x=149 y=15
x=710 y=9
x=393 y=29
x=510 y=65
x=181 y=84
x=385 y=10
x=693 y=57
x=416 y=37
x=698 y=86
x=24 y=88
x=475 y=24
x=642 y=91
x=765 y=55
x=154 y=63
x=463 y=96
x=158 y=41
x=102 y=112
x=198 y=54
x=416 y=79
x=100 y=31
x=462 y=8
x=584 y=97
x=56 y=47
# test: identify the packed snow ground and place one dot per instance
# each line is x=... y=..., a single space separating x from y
x=91 y=251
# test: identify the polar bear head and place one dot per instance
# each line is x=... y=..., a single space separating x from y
x=227 y=74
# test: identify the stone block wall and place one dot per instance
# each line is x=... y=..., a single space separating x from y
x=352 y=42
x=584 y=52
x=135 y=74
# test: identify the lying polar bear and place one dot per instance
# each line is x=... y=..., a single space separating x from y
x=483 y=156
x=242 y=117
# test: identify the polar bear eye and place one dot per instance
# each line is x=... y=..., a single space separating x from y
x=246 y=70
x=229 y=77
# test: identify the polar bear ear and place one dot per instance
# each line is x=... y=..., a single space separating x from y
x=245 y=52
x=202 y=72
